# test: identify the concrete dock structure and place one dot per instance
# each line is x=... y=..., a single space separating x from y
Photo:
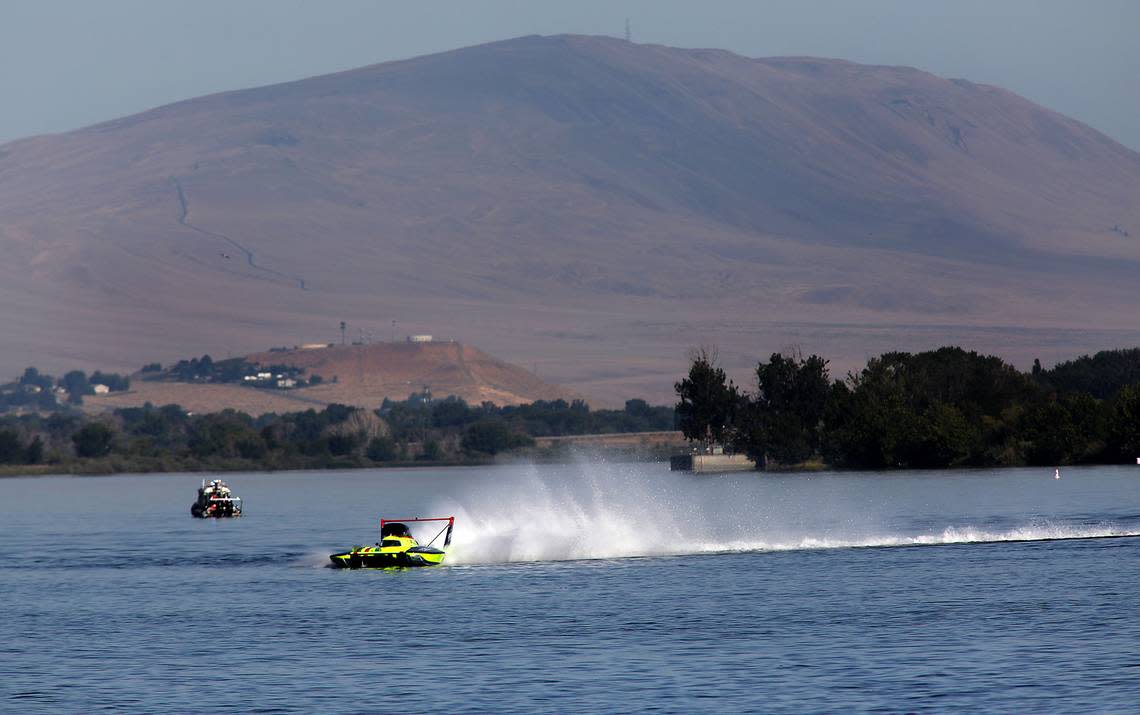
x=711 y=463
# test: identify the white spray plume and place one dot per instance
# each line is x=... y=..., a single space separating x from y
x=593 y=510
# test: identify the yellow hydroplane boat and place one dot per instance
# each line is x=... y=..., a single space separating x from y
x=397 y=547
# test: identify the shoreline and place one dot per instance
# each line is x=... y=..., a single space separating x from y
x=107 y=467
x=104 y=470
x=808 y=469
x=171 y=473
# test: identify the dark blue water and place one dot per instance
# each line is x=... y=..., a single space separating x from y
x=586 y=588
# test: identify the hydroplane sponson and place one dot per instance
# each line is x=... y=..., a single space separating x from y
x=397 y=547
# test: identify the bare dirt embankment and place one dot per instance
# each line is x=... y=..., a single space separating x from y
x=204 y=398
x=360 y=375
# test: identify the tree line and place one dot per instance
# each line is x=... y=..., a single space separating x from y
x=941 y=408
x=39 y=391
x=421 y=415
x=231 y=370
x=419 y=429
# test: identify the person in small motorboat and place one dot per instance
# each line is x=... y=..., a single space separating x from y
x=215 y=500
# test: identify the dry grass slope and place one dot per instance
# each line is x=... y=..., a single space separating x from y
x=364 y=375
x=588 y=204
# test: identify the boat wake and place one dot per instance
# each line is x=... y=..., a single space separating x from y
x=950 y=535
x=489 y=545
x=617 y=512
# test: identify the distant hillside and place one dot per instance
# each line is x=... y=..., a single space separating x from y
x=588 y=204
x=395 y=370
x=360 y=375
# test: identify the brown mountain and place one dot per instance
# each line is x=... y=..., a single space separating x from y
x=586 y=204
x=361 y=375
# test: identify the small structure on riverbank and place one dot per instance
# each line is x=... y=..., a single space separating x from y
x=712 y=461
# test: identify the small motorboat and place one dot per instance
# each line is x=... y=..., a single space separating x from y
x=397 y=547
x=215 y=500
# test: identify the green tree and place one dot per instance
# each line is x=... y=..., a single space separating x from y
x=942 y=437
x=930 y=409
x=1048 y=434
x=432 y=452
x=491 y=437
x=342 y=444
x=868 y=420
x=250 y=445
x=408 y=422
x=784 y=419
x=638 y=408
x=382 y=449
x=1124 y=435
x=337 y=413
x=452 y=412
x=76 y=383
x=164 y=427
x=1101 y=375
x=93 y=440
x=708 y=403
x=11 y=449
x=34 y=454
x=226 y=434
x=32 y=376
x=1091 y=419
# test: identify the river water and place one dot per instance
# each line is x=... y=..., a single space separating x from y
x=579 y=588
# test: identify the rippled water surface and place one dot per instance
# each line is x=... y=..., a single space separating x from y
x=583 y=588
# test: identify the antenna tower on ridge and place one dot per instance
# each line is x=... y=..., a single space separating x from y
x=627 y=35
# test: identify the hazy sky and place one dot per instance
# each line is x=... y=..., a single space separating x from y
x=68 y=63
